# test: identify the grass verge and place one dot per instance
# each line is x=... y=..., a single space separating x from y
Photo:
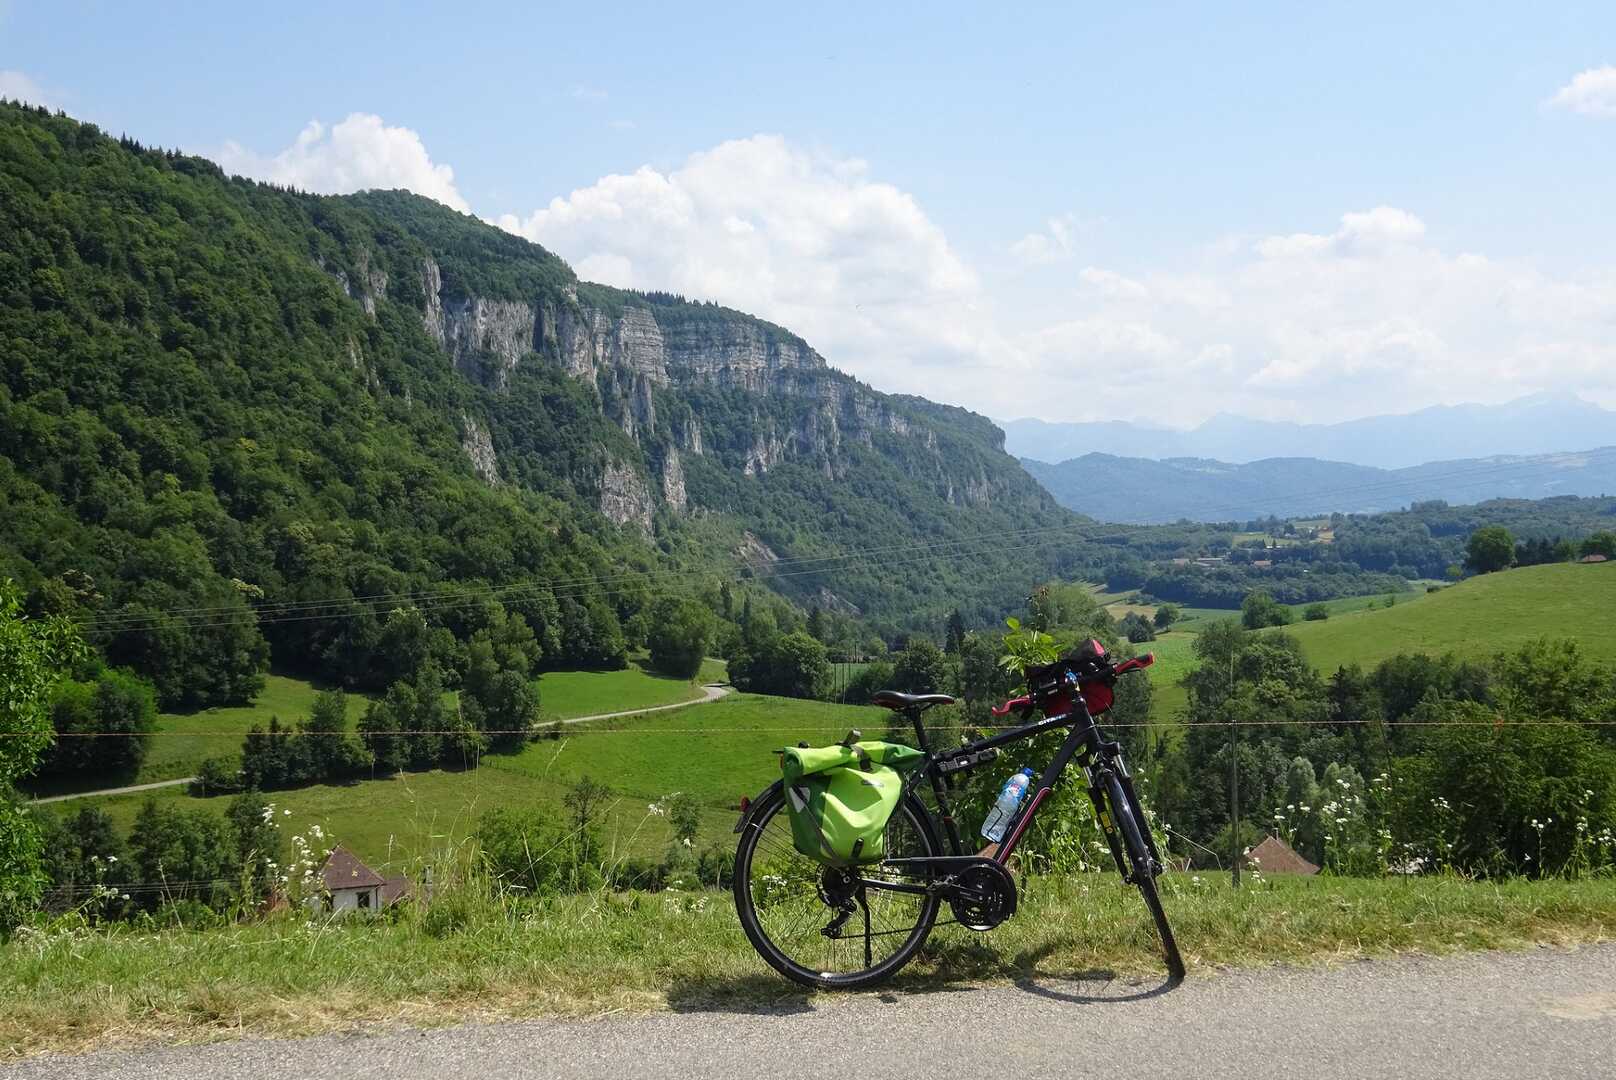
x=470 y=957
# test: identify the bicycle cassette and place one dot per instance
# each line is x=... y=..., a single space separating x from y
x=982 y=895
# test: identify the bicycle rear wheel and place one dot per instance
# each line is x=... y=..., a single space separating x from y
x=1142 y=866
x=822 y=927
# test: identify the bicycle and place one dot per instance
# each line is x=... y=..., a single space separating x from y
x=796 y=912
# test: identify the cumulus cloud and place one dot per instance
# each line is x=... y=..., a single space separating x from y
x=357 y=153
x=805 y=239
x=1591 y=92
x=1368 y=318
x=16 y=86
x=1052 y=244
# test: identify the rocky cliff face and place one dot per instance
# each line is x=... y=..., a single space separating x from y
x=636 y=350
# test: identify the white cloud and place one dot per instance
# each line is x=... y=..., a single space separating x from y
x=1370 y=318
x=1359 y=232
x=16 y=86
x=580 y=92
x=807 y=240
x=357 y=153
x=1592 y=93
x=1051 y=245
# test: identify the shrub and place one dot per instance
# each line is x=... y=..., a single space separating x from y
x=1316 y=613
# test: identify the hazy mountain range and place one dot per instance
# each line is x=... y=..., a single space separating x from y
x=1139 y=490
x=1538 y=424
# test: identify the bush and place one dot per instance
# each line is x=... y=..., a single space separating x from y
x=1316 y=613
x=1167 y=615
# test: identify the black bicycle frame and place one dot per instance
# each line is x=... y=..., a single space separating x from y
x=1083 y=741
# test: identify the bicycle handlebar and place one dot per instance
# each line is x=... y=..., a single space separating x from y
x=1024 y=703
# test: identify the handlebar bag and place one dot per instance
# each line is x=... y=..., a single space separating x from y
x=840 y=798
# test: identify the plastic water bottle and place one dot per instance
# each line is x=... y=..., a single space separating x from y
x=1004 y=811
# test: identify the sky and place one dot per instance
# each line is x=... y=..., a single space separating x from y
x=1149 y=212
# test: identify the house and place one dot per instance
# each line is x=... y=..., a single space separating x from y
x=1275 y=856
x=1596 y=557
x=350 y=885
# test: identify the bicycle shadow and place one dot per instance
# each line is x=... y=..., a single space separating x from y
x=1107 y=987
x=751 y=995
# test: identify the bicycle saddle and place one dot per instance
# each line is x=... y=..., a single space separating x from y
x=892 y=699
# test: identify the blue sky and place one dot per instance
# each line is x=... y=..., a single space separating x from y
x=1070 y=211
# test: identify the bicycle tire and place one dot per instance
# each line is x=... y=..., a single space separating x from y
x=1129 y=821
x=769 y=805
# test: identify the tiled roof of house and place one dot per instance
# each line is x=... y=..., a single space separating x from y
x=1275 y=856
x=396 y=887
x=343 y=870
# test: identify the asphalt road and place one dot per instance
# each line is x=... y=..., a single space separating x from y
x=1544 y=1013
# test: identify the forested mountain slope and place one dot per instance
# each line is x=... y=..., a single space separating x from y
x=219 y=399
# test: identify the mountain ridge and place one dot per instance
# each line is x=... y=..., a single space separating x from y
x=1540 y=423
x=1146 y=491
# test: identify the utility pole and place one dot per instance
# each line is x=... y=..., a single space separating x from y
x=1234 y=799
x=1234 y=782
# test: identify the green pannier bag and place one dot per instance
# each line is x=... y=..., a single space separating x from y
x=839 y=798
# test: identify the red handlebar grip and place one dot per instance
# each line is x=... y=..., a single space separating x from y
x=1003 y=710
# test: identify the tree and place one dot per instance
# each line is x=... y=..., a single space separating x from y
x=816 y=623
x=1600 y=543
x=801 y=667
x=34 y=654
x=680 y=631
x=954 y=634
x=923 y=668
x=1136 y=628
x=102 y=726
x=1316 y=613
x=1167 y=615
x=1489 y=549
x=1259 y=610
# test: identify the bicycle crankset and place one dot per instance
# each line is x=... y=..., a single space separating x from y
x=982 y=895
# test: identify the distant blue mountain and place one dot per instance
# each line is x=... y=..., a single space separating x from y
x=1142 y=491
x=1539 y=424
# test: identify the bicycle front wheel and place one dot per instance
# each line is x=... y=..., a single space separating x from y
x=1130 y=822
x=829 y=928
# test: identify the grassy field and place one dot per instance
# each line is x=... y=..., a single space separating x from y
x=392 y=821
x=470 y=957
x=567 y=694
x=716 y=752
x=185 y=739
x=1476 y=618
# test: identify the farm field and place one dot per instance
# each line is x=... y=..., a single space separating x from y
x=1476 y=618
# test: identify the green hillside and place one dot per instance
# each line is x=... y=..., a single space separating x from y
x=716 y=752
x=244 y=427
x=1476 y=618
